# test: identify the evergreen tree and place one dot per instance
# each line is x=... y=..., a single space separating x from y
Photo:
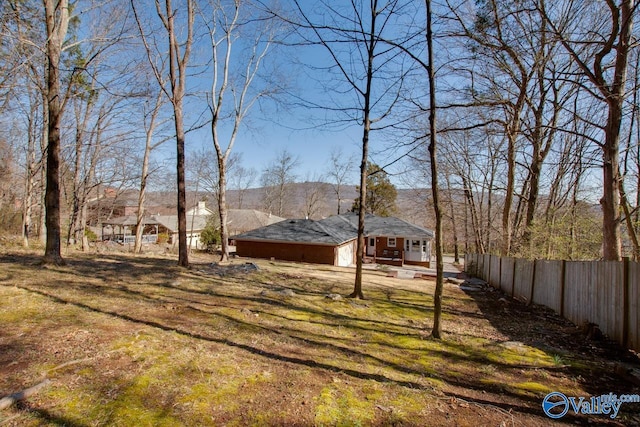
x=381 y=193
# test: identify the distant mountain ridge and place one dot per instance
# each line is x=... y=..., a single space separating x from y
x=315 y=200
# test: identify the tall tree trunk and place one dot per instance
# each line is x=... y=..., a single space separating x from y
x=610 y=202
x=508 y=197
x=492 y=177
x=137 y=246
x=27 y=208
x=183 y=250
x=83 y=226
x=475 y=222
x=57 y=19
x=178 y=75
x=144 y=174
x=436 y=332
x=42 y=226
x=456 y=252
x=466 y=228
x=222 y=207
x=612 y=244
x=362 y=199
x=360 y=245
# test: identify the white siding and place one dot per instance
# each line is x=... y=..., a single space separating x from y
x=345 y=255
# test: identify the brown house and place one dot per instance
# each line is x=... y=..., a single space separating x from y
x=333 y=241
x=301 y=240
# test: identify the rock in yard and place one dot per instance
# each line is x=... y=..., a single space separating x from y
x=467 y=287
x=250 y=266
x=248 y=312
x=334 y=297
x=475 y=281
x=286 y=292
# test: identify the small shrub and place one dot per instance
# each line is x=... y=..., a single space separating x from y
x=210 y=235
x=91 y=236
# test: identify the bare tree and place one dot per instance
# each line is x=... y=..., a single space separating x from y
x=436 y=332
x=352 y=37
x=314 y=193
x=22 y=66
x=57 y=24
x=150 y=123
x=339 y=170
x=233 y=84
x=241 y=180
x=598 y=36
x=179 y=53
x=277 y=178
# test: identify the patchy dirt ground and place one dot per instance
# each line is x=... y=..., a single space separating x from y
x=137 y=341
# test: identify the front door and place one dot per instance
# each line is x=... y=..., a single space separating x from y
x=371 y=246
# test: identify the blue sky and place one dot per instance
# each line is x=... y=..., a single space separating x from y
x=301 y=131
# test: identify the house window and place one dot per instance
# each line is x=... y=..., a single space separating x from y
x=407 y=246
x=372 y=241
x=391 y=242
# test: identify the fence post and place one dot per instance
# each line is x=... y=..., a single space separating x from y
x=562 y=282
x=533 y=281
x=488 y=278
x=626 y=284
x=513 y=278
x=475 y=265
x=500 y=273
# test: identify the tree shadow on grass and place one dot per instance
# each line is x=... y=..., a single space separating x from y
x=48 y=416
x=308 y=362
x=166 y=278
x=228 y=342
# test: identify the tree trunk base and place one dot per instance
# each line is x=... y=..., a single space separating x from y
x=358 y=295
x=55 y=260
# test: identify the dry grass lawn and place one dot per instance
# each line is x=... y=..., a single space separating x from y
x=136 y=341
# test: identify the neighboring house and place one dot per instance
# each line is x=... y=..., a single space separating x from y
x=243 y=220
x=122 y=228
x=195 y=224
x=302 y=240
x=109 y=205
x=389 y=240
x=200 y=209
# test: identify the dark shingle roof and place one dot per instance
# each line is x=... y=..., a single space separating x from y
x=386 y=226
x=242 y=220
x=298 y=230
x=333 y=230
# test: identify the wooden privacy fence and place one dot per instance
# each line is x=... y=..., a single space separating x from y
x=606 y=293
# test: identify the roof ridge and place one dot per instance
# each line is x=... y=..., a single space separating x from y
x=326 y=229
x=413 y=225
